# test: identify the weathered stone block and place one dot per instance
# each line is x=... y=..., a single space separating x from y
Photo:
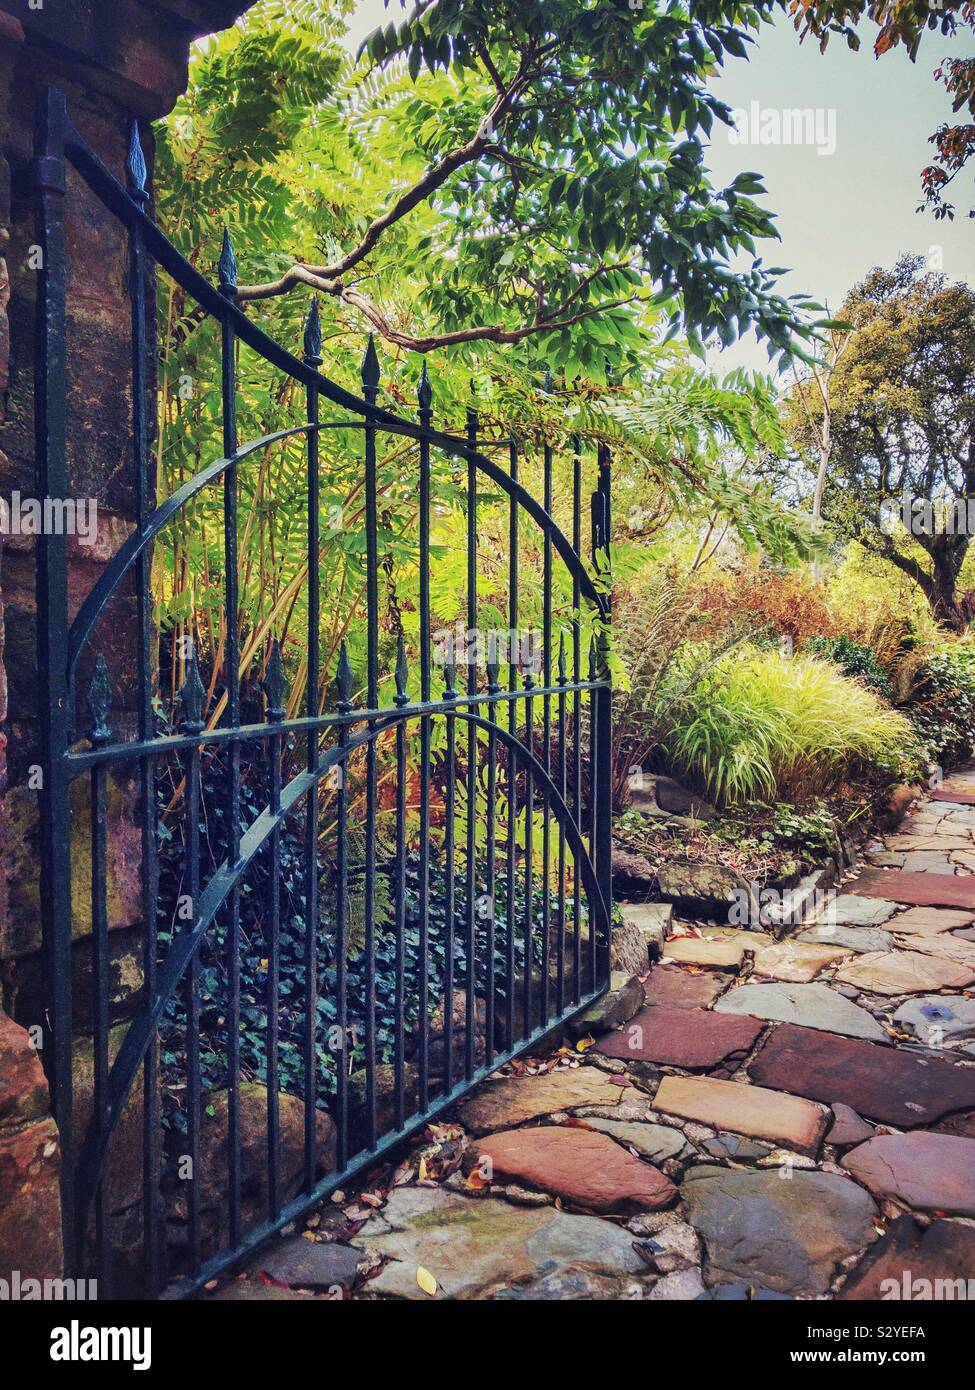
x=30 y=1202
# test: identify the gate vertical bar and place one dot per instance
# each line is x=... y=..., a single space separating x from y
x=50 y=455
x=370 y=391
x=152 y=1155
x=313 y=358
x=602 y=770
x=227 y=273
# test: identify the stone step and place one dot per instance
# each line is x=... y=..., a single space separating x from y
x=920 y=890
x=959 y=798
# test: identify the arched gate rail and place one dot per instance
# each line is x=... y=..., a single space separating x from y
x=452 y=846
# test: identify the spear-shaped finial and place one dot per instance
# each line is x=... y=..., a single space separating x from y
x=135 y=166
x=402 y=696
x=562 y=675
x=424 y=393
x=275 y=685
x=493 y=665
x=450 y=679
x=370 y=367
x=227 y=267
x=313 y=336
x=191 y=696
x=343 y=681
x=100 y=702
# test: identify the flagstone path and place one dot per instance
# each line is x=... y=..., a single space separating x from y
x=783 y=1118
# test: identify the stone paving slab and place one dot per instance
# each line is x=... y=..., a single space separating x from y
x=581 y=1166
x=927 y=921
x=692 y=950
x=925 y=1171
x=938 y=1016
x=751 y=1110
x=945 y=947
x=655 y=1142
x=789 y=1236
x=697 y=1039
x=812 y=1006
x=515 y=1099
x=853 y=910
x=921 y=890
x=675 y=988
x=958 y=798
x=909 y=845
x=858 y=939
x=905 y=972
x=468 y=1244
x=890 y=1086
x=907 y=1257
x=847 y=1127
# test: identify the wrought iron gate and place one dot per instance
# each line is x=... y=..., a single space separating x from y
x=476 y=914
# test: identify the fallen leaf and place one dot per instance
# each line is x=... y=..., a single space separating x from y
x=426 y=1281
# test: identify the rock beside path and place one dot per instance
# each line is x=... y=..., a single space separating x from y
x=309 y=1264
x=787 y=1236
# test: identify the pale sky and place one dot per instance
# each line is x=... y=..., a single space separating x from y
x=841 y=213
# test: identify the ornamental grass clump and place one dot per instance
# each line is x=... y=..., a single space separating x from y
x=763 y=725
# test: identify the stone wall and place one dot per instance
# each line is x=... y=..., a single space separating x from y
x=115 y=60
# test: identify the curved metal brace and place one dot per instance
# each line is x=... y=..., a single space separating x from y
x=114 y=196
x=91 y=1155
x=127 y=554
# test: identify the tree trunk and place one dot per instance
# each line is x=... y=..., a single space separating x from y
x=947 y=555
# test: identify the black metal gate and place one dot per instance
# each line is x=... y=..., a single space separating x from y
x=453 y=845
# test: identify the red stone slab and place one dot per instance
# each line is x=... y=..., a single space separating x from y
x=674 y=988
x=961 y=798
x=697 y=1039
x=908 y=1255
x=585 y=1168
x=891 y=1086
x=920 y=890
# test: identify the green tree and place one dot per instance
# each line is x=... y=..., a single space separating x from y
x=538 y=166
x=901 y=407
x=902 y=24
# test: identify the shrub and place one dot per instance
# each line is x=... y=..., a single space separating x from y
x=788 y=605
x=942 y=704
x=854 y=659
x=761 y=725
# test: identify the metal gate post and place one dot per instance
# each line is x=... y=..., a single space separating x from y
x=50 y=445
